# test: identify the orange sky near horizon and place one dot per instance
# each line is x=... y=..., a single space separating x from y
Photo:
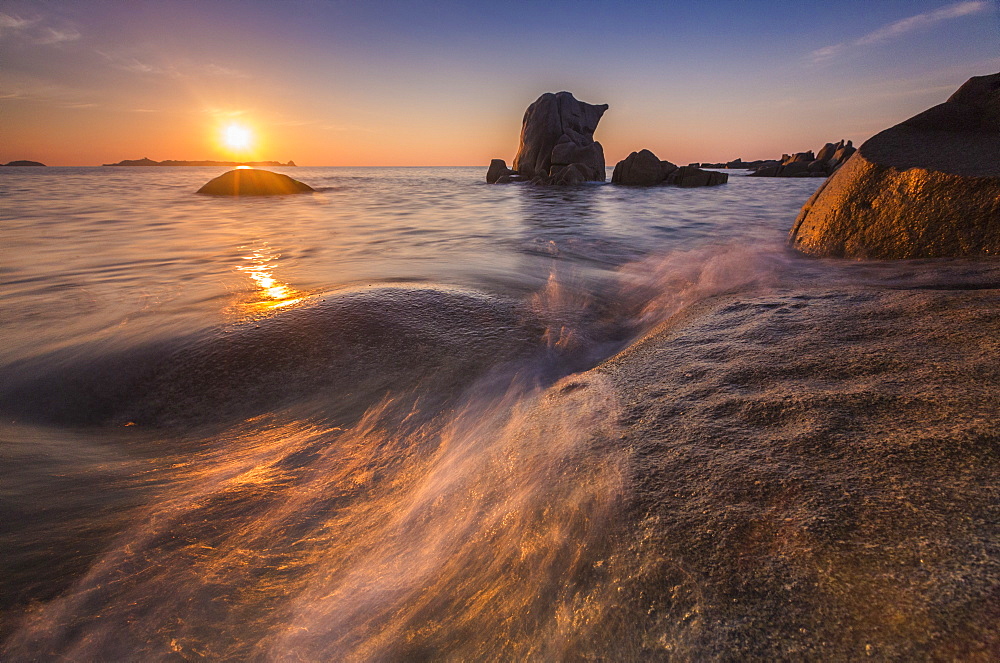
x=411 y=85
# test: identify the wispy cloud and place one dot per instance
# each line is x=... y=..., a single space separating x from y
x=54 y=36
x=181 y=68
x=902 y=27
x=35 y=31
x=8 y=22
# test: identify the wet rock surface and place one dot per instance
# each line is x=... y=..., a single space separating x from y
x=253 y=182
x=814 y=474
x=928 y=187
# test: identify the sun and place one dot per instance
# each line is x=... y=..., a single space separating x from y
x=237 y=137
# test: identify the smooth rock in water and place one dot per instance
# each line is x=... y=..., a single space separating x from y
x=688 y=177
x=642 y=168
x=928 y=187
x=498 y=170
x=253 y=182
x=560 y=120
x=22 y=163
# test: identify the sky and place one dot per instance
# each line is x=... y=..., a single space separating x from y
x=375 y=83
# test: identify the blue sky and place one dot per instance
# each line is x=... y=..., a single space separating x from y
x=406 y=83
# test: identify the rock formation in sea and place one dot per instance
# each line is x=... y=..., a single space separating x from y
x=253 y=182
x=644 y=168
x=557 y=143
x=823 y=163
x=21 y=163
x=927 y=187
x=498 y=170
x=145 y=161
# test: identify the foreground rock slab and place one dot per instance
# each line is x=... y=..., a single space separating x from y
x=815 y=474
x=253 y=182
x=926 y=188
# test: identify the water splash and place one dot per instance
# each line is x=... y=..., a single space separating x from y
x=479 y=534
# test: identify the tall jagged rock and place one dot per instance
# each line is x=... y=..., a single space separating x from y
x=557 y=133
x=927 y=187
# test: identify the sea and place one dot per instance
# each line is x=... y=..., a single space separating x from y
x=314 y=427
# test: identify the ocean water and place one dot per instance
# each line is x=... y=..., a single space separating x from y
x=350 y=425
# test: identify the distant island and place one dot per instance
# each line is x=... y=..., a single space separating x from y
x=23 y=163
x=172 y=162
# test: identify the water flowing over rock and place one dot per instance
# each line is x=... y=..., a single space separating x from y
x=557 y=133
x=253 y=182
x=644 y=168
x=927 y=187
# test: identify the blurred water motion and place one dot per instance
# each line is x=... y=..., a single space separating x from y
x=356 y=426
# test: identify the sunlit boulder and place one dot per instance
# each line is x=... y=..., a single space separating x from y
x=253 y=182
x=927 y=187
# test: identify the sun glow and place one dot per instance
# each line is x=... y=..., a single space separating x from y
x=237 y=137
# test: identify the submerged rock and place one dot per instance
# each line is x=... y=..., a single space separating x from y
x=927 y=187
x=253 y=182
x=557 y=133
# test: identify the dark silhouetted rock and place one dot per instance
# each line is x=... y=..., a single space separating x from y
x=927 y=187
x=22 y=163
x=642 y=168
x=804 y=164
x=498 y=169
x=687 y=177
x=253 y=182
x=558 y=130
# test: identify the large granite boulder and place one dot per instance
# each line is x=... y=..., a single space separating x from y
x=928 y=187
x=253 y=182
x=557 y=133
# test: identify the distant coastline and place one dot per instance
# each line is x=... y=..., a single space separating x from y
x=173 y=162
